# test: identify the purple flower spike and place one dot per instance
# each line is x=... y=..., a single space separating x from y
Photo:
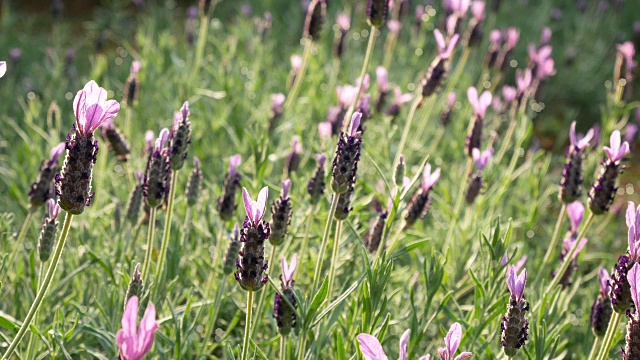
x=91 y=107
x=477 y=9
x=53 y=209
x=516 y=283
x=580 y=144
x=480 y=104
x=509 y=93
x=452 y=342
x=634 y=280
x=604 y=280
x=633 y=222
x=382 y=79
x=255 y=209
x=575 y=210
x=371 y=348
x=355 y=124
x=616 y=152
x=286 y=186
x=288 y=270
x=428 y=178
x=445 y=50
x=3 y=68
x=56 y=152
x=234 y=162
x=481 y=159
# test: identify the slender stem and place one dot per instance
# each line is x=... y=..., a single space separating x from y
x=334 y=258
x=211 y=324
x=608 y=336
x=21 y=235
x=167 y=232
x=247 y=328
x=146 y=265
x=363 y=72
x=323 y=245
x=569 y=257
x=43 y=289
x=436 y=140
x=263 y=295
x=456 y=209
x=31 y=343
x=187 y=226
x=202 y=40
x=299 y=77
x=554 y=237
x=283 y=340
x=127 y=120
x=301 y=344
x=407 y=127
x=459 y=68
x=507 y=139
x=307 y=228
x=389 y=44
x=594 y=348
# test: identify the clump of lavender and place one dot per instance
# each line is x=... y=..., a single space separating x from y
x=475 y=184
x=345 y=164
x=575 y=210
x=43 y=188
x=116 y=141
x=156 y=177
x=604 y=188
x=292 y=162
x=281 y=215
x=571 y=183
x=135 y=200
x=227 y=203
x=344 y=23
x=624 y=69
x=136 y=285
x=514 y=324
x=620 y=291
x=195 y=182
x=377 y=12
x=49 y=231
x=73 y=184
x=251 y=264
x=437 y=70
x=480 y=105
x=398 y=100
x=419 y=204
x=316 y=13
x=179 y=138
x=601 y=310
x=632 y=339
x=277 y=109
x=283 y=312
x=316 y=185
x=132 y=85
x=382 y=78
x=445 y=116
x=231 y=255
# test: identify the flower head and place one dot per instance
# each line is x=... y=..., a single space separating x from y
x=512 y=37
x=134 y=342
x=428 y=178
x=545 y=69
x=516 y=282
x=481 y=159
x=616 y=152
x=3 y=68
x=91 y=107
x=452 y=342
x=580 y=144
x=480 y=104
x=445 y=50
x=255 y=209
x=495 y=37
x=234 y=162
x=633 y=223
x=288 y=270
x=575 y=210
x=477 y=9
x=382 y=79
x=604 y=280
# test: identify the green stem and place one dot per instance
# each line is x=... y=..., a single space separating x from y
x=263 y=295
x=146 y=265
x=456 y=209
x=323 y=245
x=363 y=72
x=334 y=258
x=608 y=336
x=459 y=68
x=21 y=235
x=594 y=348
x=554 y=240
x=301 y=344
x=283 y=341
x=187 y=226
x=31 y=343
x=211 y=324
x=507 y=139
x=247 y=328
x=307 y=228
x=202 y=40
x=569 y=257
x=407 y=127
x=43 y=289
x=299 y=77
x=166 y=234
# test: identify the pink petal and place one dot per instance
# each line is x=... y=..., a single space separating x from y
x=3 y=68
x=261 y=203
x=575 y=210
x=404 y=340
x=440 y=40
x=631 y=214
x=633 y=248
x=355 y=123
x=472 y=95
x=475 y=154
x=426 y=357
x=572 y=134
x=126 y=344
x=584 y=142
x=286 y=185
x=634 y=280
x=520 y=263
x=248 y=204
x=603 y=279
x=511 y=279
x=615 y=142
x=371 y=348
x=148 y=326
x=463 y=355
x=130 y=317
x=452 y=340
x=79 y=109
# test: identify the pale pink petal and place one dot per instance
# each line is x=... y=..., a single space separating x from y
x=631 y=214
x=472 y=95
x=584 y=142
x=426 y=357
x=286 y=185
x=371 y=348
x=261 y=203
x=3 y=68
x=355 y=123
x=615 y=141
x=234 y=162
x=475 y=154
x=130 y=317
x=485 y=101
x=603 y=279
x=79 y=109
x=633 y=245
x=451 y=46
x=404 y=340
x=520 y=263
x=382 y=78
x=463 y=355
x=325 y=129
x=575 y=210
x=511 y=279
x=451 y=99
x=440 y=40
x=148 y=327
x=56 y=151
x=248 y=203
x=634 y=280
x=452 y=340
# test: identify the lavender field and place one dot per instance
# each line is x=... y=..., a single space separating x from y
x=356 y=179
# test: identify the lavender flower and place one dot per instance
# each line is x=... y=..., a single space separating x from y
x=49 y=231
x=43 y=188
x=316 y=14
x=419 y=204
x=475 y=184
x=452 y=342
x=601 y=310
x=73 y=184
x=620 y=291
x=156 y=178
x=136 y=286
x=296 y=64
x=523 y=82
x=399 y=100
x=436 y=73
x=345 y=164
x=512 y=36
x=251 y=264
x=571 y=183
x=604 y=188
x=135 y=200
x=377 y=12
x=474 y=31
x=227 y=202
x=445 y=116
x=195 y=182
x=231 y=255
x=480 y=104
x=624 y=68
x=132 y=84
x=495 y=46
x=180 y=138
x=116 y=141
x=283 y=312
x=509 y=93
x=281 y=215
x=632 y=347
x=150 y=142
x=293 y=159
x=133 y=341
x=514 y=324
x=316 y=185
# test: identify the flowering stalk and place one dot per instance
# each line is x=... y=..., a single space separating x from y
x=601 y=311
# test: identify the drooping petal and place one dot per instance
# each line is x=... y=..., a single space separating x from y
x=440 y=40
x=148 y=327
x=464 y=355
x=286 y=185
x=452 y=340
x=584 y=142
x=355 y=123
x=634 y=280
x=371 y=348
x=575 y=210
x=603 y=279
x=404 y=340
x=261 y=203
